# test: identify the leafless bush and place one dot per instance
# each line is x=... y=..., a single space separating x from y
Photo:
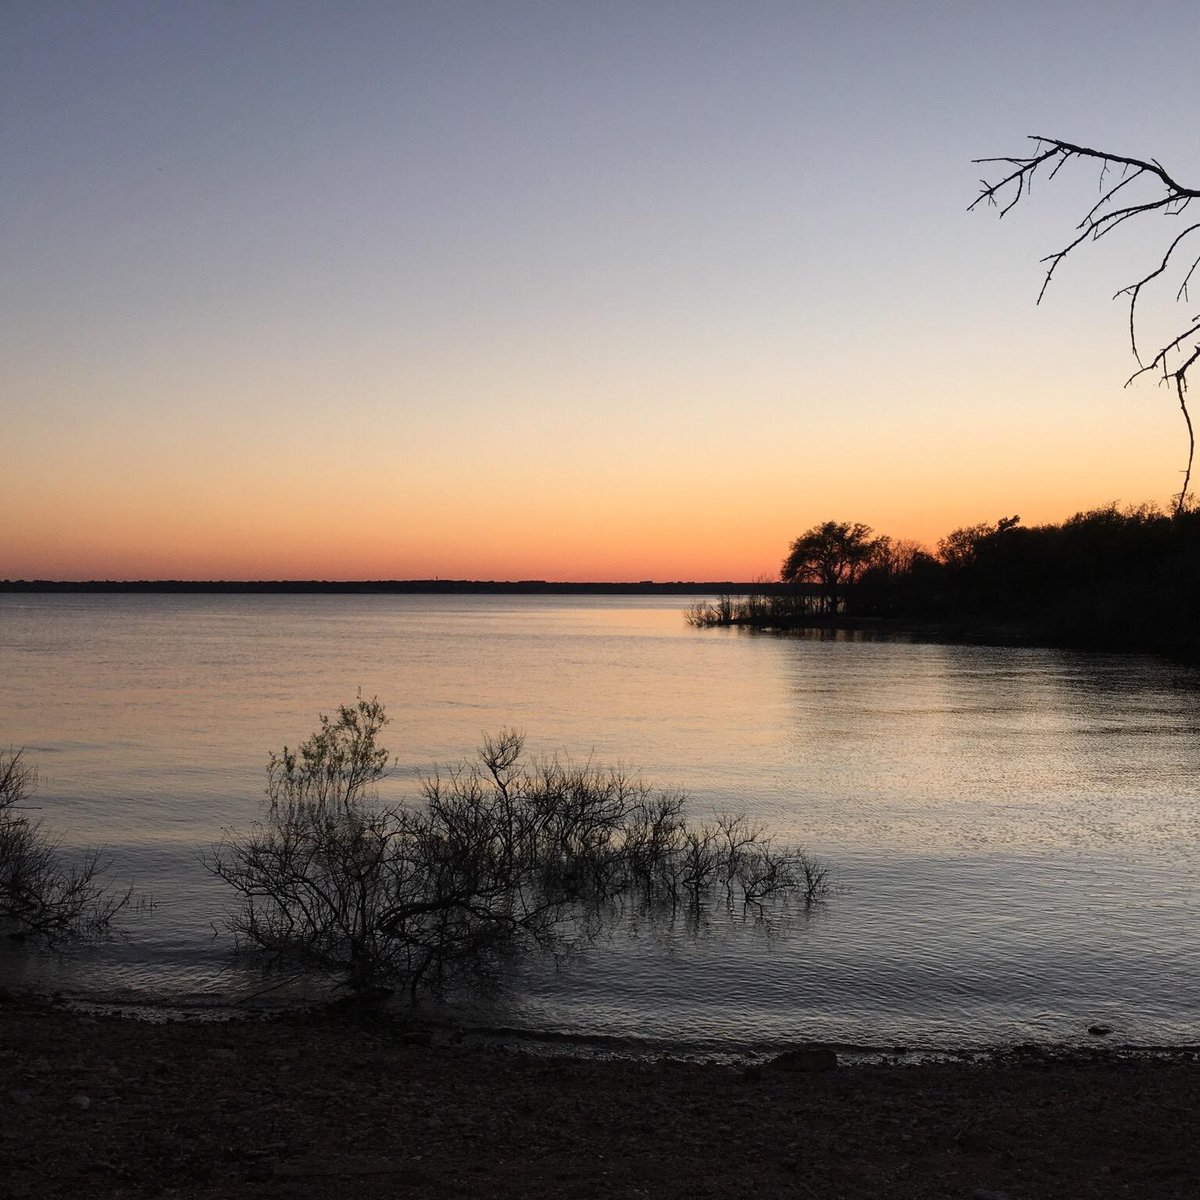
x=813 y=878
x=498 y=855
x=41 y=892
x=759 y=610
x=705 y=614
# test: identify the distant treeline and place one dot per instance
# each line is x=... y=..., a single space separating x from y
x=520 y=587
x=1112 y=579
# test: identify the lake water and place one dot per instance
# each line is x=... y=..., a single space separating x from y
x=1015 y=833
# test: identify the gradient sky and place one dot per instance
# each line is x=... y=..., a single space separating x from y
x=595 y=290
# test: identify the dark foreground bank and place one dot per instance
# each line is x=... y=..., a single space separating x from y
x=324 y=1107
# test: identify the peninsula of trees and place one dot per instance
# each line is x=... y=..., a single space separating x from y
x=1111 y=578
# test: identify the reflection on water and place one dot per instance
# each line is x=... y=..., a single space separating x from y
x=1014 y=831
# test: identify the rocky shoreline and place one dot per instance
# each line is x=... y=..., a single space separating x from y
x=315 y=1104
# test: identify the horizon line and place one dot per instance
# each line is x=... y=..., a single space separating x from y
x=435 y=584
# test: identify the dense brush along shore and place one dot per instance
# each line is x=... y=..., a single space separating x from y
x=315 y=1106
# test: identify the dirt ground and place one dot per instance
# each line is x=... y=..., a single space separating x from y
x=322 y=1107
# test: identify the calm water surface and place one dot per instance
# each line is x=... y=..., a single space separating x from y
x=1015 y=832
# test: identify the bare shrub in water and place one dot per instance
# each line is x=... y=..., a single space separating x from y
x=769 y=610
x=40 y=891
x=499 y=854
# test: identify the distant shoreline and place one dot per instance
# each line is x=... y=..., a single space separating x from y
x=944 y=629
x=520 y=587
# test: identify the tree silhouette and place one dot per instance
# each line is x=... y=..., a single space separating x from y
x=1158 y=192
x=833 y=555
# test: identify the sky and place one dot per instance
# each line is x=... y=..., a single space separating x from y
x=598 y=290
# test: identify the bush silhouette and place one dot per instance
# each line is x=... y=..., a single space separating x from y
x=40 y=892
x=500 y=854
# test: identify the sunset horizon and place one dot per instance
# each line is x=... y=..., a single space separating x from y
x=555 y=293
x=699 y=564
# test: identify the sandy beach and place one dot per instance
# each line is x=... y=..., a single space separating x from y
x=319 y=1106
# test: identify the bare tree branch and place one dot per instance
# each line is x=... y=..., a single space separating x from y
x=1174 y=359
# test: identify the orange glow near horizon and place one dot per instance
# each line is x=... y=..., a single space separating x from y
x=609 y=491
x=661 y=522
x=623 y=499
